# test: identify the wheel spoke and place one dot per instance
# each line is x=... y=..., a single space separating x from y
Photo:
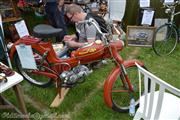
x=120 y=94
x=119 y=91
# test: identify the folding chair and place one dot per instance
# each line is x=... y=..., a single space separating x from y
x=157 y=105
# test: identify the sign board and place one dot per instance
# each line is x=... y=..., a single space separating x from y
x=144 y=3
x=140 y=36
x=21 y=28
x=147 y=17
x=26 y=56
x=168 y=1
x=160 y=21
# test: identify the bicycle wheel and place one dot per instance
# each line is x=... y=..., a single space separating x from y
x=118 y=94
x=30 y=76
x=165 y=41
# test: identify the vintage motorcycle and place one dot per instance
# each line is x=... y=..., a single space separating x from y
x=120 y=85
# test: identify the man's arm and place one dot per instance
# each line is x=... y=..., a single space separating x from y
x=74 y=44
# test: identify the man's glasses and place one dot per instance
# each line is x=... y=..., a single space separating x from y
x=71 y=17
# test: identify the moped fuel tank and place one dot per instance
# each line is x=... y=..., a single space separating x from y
x=89 y=53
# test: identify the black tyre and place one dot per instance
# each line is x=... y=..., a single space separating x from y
x=120 y=95
x=166 y=39
x=35 y=79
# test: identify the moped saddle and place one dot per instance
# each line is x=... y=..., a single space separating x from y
x=46 y=31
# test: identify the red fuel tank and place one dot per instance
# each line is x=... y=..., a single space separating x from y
x=91 y=52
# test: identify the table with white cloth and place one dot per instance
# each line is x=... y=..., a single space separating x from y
x=13 y=82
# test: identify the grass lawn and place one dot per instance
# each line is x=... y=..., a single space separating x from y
x=85 y=101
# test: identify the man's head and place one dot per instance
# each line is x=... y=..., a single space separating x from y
x=60 y=2
x=75 y=13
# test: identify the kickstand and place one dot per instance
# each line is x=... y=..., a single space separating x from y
x=58 y=86
x=62 y=91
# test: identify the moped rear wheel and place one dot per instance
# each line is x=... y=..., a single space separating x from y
x=35 y=79
x=117 y=92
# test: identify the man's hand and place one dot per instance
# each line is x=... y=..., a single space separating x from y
x=74 y=44
x=69 y=38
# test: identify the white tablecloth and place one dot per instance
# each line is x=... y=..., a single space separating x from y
x=12 y=80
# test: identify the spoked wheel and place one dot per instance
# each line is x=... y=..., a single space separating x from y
x=31 y=75
x=165 y=41
x=116 y=93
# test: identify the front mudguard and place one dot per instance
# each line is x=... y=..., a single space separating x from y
x=112 y=77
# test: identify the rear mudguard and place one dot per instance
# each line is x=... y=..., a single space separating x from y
x=112 y=77
x=27 y=40
x=38 y=45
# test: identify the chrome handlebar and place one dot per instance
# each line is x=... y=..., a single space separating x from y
x=171 y=4
x=92 y=21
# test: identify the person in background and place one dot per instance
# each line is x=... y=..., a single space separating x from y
x=87 y=33
x=59 y=19
x=51 y=7
x=55 y=14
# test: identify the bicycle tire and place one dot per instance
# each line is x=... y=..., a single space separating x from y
x=37 y=80
x=120 y=100
x=164 y=44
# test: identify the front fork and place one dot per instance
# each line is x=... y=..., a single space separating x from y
x=125 y=79
x=119 y=62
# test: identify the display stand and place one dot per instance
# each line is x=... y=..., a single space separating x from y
x=58 y=99
x=13 y=82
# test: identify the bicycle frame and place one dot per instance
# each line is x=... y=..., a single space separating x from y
x=172 y=9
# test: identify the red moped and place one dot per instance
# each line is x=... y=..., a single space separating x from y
x=120 y=85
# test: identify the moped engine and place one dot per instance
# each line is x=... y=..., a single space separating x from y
x=73 y=76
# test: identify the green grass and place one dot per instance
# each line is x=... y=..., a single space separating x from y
x=166 y=67
x=85 y=101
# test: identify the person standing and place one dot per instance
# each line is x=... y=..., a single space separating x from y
x=60 y=19
x=51 y=8
x=55 y=14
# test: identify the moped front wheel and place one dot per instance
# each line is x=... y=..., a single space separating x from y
x=28 y=74
x=116 y=92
